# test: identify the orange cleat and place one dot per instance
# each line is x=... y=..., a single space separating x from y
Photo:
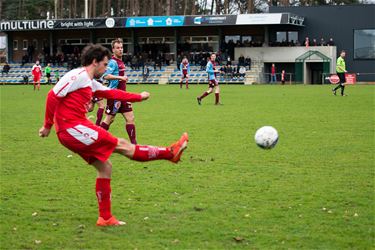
x=178 y=147
x=110 y=222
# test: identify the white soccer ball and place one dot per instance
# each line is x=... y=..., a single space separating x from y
x=266 y=137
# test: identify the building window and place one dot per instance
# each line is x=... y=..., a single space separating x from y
x=15 y=44
x=364 y=44
x=233 y=38
x=292 y=36
x=25 y=44
x=280 y=36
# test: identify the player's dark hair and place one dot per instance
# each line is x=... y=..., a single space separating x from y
x=117 y=40
x=342 y=51
x=212 y=54
x=94 y=52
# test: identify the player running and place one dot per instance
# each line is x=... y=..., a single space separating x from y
x=67 y=105
x=185 y=72
x=115 y=74
x=36 y=71
x=213 y=83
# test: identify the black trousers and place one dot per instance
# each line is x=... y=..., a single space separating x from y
x=341 y=84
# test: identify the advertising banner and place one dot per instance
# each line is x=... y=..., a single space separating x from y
x=350 y=78
x=210 y=20
x=155 y=21
x=28 y=25
x=260 y=19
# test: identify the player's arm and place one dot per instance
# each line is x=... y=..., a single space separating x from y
x=116 y=94
x=51 y=104
x=188 y=69
x=108 y=75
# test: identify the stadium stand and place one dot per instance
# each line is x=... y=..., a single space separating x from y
x=149 y=75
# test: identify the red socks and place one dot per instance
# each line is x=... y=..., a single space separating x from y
x=99 y=116
x=217 y=98
x=204 y=95
x=130 y=129
x=187 y=84
x=149 y=153
x=103 y=193
x=104 y=125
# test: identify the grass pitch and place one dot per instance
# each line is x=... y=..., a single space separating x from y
x=315 y=189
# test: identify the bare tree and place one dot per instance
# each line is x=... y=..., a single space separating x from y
x=218 y=7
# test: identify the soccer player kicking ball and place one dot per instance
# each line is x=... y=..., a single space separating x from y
x=36 y=71
x=213 y=83
x=185 y=72
x=115 y=74
x=67 y=105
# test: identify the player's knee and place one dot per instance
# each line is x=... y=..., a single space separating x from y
x=125 y=148
x=123 y=144
x=130 y=119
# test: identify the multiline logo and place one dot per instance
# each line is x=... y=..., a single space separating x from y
x=27 y=25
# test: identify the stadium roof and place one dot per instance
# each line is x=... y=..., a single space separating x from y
x=153 y=21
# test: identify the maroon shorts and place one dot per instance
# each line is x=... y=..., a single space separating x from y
x=114 y=107
x=89 y=141
x=213 y=83
x=184 y=75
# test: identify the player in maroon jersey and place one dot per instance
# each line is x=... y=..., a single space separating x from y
x=66 y=107
x=115 y=74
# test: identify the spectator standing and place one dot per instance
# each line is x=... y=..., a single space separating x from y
x=307 y=42
x=283 y=77
x=273 y=73
x=248 y=62
x=241 y=61
x=330 y=42
x=322 y=42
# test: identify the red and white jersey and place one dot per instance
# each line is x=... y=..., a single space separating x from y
x=69 y=100
x=36 y=70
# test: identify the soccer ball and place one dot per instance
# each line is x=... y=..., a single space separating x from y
x=266 y=137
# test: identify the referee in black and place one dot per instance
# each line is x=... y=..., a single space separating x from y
x=340 y=70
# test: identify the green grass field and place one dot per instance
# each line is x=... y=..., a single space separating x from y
x=314 y=190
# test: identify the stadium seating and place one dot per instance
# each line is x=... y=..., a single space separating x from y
x=172 y=74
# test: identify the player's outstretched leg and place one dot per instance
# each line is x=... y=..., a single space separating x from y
x=187 y=83
x=103 y=193
x=206 y=93
x=150 y=153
